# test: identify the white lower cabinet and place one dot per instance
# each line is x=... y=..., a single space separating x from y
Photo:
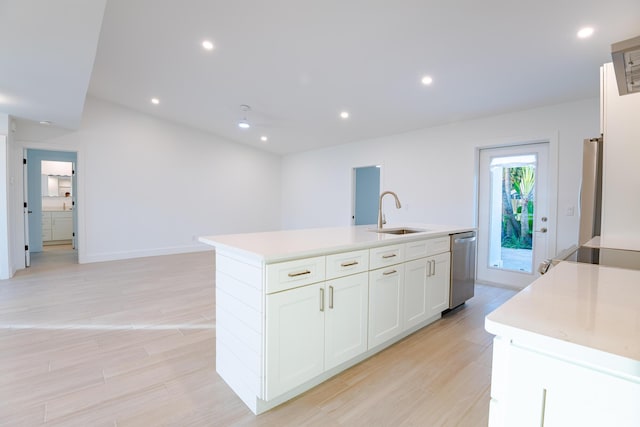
x=386 y=286
x=322 y=313
x=439 y=283
x=57 y=226
x=346 y=316
x=295 y=338
x=529 y=388
x=314 y=328
x=426 y=288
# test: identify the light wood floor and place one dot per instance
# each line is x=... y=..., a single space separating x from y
x=132 y=343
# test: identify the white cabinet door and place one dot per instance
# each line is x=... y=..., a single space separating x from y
x=346 y=318
x=439 y=283
x=295 y=338
x=416 y=292
x=46 y=226
x=385 y=303
x=62 y=225
x=533 y=389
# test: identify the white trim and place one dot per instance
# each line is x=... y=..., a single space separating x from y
x=115 y=256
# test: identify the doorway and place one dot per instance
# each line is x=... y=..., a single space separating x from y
x=513 y=213
x=366 y=195
x=50 y=192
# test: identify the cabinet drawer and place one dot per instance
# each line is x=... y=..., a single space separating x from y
x=439 y=245
x=386 y=255
x=292 y=274
x=347 y=263
x=415 y=250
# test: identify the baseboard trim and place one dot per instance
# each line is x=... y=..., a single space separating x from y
x=143 y=253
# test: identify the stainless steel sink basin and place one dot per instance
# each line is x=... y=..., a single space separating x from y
x=400 y=230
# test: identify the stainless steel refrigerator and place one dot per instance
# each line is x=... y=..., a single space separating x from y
x=591 y=190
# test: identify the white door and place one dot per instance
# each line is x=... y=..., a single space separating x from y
x=27 y=209
x=513 y=213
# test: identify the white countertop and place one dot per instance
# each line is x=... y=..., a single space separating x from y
x=594 y=309
x=275 y=246
x=613 y=243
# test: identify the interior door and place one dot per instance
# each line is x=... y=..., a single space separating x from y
x=74 y=205
x=26 y=209
x=513 y=213
x=366 y=195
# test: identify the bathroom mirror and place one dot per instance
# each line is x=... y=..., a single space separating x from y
x=56 y=178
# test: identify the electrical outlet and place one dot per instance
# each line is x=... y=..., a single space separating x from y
x=570 y=211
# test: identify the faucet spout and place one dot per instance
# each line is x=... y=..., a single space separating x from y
x=380 y=215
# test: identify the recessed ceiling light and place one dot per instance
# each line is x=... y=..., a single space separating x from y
x=207 y=45
x=427 y=80
x=155 y=101
x=45 y=122
x=243 y=124
x=344 y=114
x=585 y=32
x=264 y=138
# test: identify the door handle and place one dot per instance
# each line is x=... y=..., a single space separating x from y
x=542 y=230
x=29 y=211
x=321 y=299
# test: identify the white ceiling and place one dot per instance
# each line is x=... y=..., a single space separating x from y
x=298 y=64
x=47 y=50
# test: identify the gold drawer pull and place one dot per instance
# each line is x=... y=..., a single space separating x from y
x=388 y=256
x=300 y=273
x=386 y=273
x=349 y=264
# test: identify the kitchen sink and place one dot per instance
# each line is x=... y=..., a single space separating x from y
x=400 y=230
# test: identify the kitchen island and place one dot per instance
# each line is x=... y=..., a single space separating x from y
x=567 y=350
x=296 y=307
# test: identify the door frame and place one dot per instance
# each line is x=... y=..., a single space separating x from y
x=552 y=140
x=380 y=165
x=79 y=193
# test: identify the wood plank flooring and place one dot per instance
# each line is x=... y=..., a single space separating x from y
x=132 y=343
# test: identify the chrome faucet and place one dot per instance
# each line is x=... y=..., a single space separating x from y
x=381 y=220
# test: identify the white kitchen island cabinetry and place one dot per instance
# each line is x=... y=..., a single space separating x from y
x=567 y=350
x=294 y=308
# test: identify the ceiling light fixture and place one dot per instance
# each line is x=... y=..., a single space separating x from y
x=243 y=123
x=427 y=80
x=45 y=122
x=585 y=32
x=207 y=45
x=344 y=114
x=264 y=138
x=155 y=101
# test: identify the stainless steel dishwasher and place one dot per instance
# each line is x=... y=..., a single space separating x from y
x=463 y=267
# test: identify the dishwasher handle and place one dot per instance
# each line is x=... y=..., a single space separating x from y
x=465 y=240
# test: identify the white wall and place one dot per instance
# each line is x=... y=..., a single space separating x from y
x=621 y=173
x=433 y=170
x=148 y=187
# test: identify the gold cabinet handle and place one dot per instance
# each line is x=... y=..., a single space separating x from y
x=386 y=273
x=434 y=267
x=388 y=256
x=349 y=263
x=321 y=299
x=331 y=297
x=299 y=273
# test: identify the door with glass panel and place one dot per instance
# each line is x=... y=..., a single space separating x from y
x=513 y=220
